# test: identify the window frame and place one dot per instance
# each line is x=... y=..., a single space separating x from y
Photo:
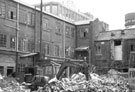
x=2 y=9
x=12 y=15
x=3 y=40
x=47 y=49
x=45 y=24
x=57 y=50
x=12 y=43
x=58 y=28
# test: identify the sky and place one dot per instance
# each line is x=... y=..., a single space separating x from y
x=110 y=11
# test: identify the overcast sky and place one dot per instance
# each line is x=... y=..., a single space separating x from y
x=110 y=11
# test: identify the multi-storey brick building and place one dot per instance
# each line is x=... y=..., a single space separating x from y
x=20 y=36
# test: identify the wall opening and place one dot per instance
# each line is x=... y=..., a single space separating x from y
x=117 y=50
x=117 y=42
x=131 y=47
x=9 y=70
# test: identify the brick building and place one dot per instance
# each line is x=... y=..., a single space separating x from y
x=20 y=36
x=112 y=49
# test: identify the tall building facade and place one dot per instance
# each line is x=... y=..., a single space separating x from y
x=20 y=36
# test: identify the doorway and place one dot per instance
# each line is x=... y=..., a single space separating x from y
x=9 y=70
x=117 y=50
x=2 y=70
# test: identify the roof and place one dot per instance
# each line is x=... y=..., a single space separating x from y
x=82 y=48
x=23 y=3
x=116 y=34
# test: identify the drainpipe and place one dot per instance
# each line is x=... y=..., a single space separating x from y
x=41 y=22
x=17 y=35
x=64 y=39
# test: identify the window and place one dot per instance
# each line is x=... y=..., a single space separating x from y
x=58 y=28
x=47 y=8
x=21 y=45
x=83 y=32
x=47 y=49
x=54 y=9
x=23 y=16
x=57 y=50
x=30 y=46
x=132 y=47
x=21 y=67
x=45 y=24
x=30 y=18
x=68 y=51
x=98 y=49
x=12 y=13
x=2 y=9
x=3 y=40
x=12 y=42
x=67 y=31
x=73 y=32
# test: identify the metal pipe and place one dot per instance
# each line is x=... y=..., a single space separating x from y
x=17 y=35
x=41 y=22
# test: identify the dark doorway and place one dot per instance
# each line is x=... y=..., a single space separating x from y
x=9 y=70
x=2 y=70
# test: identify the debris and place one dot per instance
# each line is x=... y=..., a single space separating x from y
x=96 y=83
x=9 y=84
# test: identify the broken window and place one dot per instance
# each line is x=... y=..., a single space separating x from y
x=83 y=32
x=117 y=42
x=12 y=12
x=132 y=47
x=98 y=49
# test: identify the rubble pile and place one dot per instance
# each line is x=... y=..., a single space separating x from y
x=8 y=84
x=76 y=82
x=108 y=82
